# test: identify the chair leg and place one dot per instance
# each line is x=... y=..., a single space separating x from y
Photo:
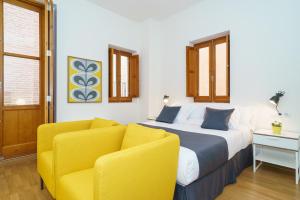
x=41 y=183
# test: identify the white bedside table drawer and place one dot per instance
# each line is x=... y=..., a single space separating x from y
x=284 y=143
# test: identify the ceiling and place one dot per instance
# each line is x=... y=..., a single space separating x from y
x=140 y=10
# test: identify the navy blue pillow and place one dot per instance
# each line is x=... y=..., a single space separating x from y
x=168 y=114
x=217 y=119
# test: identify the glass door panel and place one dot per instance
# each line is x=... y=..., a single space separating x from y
x=204 y=72
x=21 y=55
x=21 y=30
x=124 y=76
x=221 y=69
x=21 y=81
x=114 y=70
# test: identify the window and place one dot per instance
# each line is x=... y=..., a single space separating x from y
x=208 y=71
x=123 y=76
x=21 y=55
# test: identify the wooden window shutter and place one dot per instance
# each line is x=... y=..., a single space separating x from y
x=205 y=72
x=224 y=97
x=192 y=59
x=134 y=76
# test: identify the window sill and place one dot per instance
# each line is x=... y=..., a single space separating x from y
x=209 y=100
x=120 y=100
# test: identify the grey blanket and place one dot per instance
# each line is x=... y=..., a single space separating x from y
x=211 y=151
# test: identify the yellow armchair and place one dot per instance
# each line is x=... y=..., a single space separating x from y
x=45 y=137
x=93 y=166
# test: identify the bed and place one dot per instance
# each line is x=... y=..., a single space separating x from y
x=208 y=159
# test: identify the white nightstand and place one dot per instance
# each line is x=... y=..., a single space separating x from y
x=277 y=149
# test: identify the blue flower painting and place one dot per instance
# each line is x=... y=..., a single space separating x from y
x=85 y=81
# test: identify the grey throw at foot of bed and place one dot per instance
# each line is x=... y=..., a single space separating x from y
x=211 y=185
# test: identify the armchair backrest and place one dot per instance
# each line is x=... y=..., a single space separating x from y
x=146 y=171
x=47 y=132
x=137 y=134
x=79 y=150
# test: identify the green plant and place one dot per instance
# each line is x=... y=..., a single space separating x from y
x=277 y=124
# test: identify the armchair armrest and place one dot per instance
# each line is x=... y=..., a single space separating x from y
x=77 y=151
x=143 y=172
x=47 y=132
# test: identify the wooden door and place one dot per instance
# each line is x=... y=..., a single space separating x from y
x=22 y=77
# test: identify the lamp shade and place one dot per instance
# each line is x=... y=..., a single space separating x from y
x=166 y=99
x=274 y=100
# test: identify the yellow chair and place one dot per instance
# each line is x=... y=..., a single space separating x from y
x=118 y=163
x=45 y=137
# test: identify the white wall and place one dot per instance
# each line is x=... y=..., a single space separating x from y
x=152 y=57
x=264 y=53
x=85 y=30
x=265 y=44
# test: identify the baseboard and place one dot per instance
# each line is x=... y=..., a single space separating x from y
x=18 y=150
x=20 y=158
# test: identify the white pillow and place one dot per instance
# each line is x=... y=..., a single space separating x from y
x=246 y=116
x=193 y=113
x=184 y=113
x=197 y=122
x=234 y=122
x=198 y=112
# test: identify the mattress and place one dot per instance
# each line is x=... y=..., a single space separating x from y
x=188 y=165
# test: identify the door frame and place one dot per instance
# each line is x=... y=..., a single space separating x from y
x=46 y=60
x=50 y=39
x=1 y=74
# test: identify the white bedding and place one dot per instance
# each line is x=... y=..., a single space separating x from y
x=188 y=166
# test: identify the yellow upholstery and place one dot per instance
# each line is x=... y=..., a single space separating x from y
x=46 y=171
x=90 y=165
x=101 y=123
x=78 y=185
x=137 y=135
x=79 y=150
x=45 y=137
